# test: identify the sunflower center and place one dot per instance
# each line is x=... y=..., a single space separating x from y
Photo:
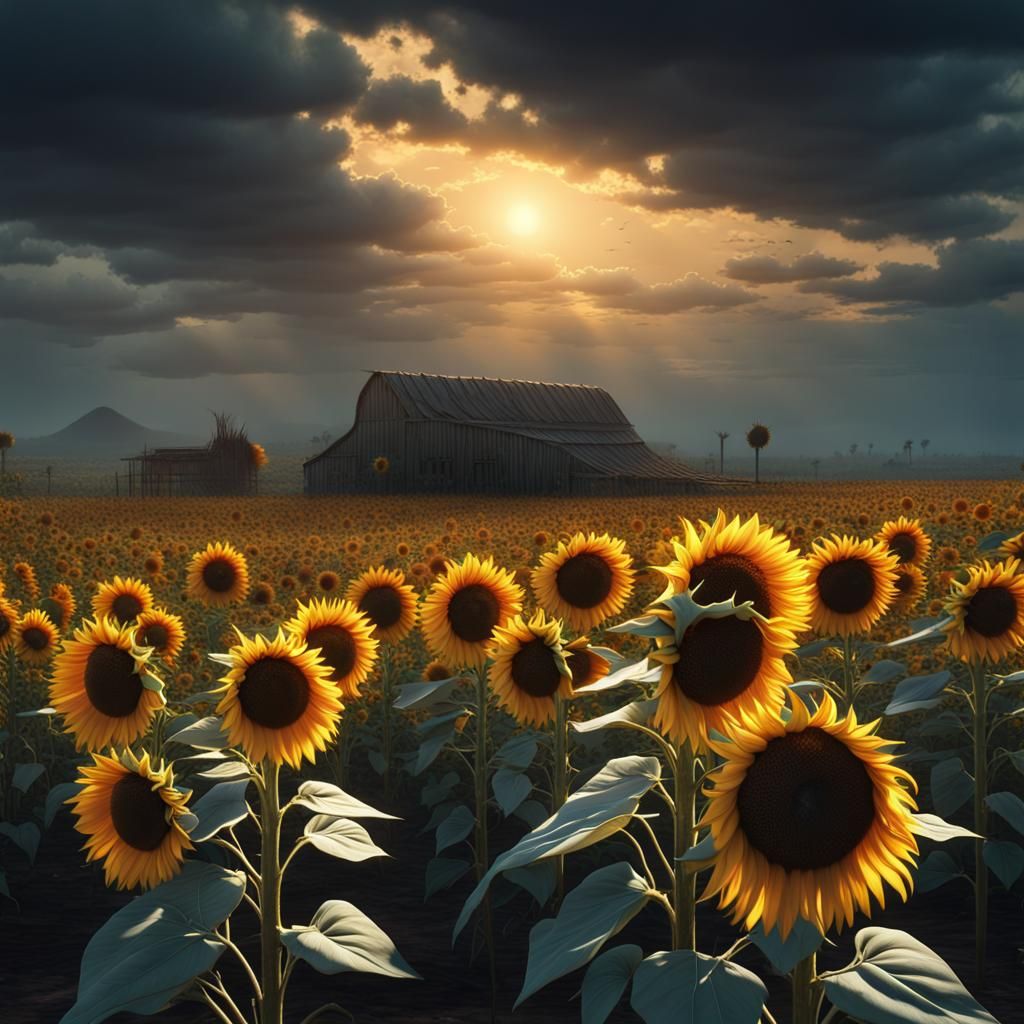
x=111 y=682
x=580 y=664
x=35 y=639
x=584 y=580
x=718 y=659
x=904 y=546
x=846 y=586
x=991 y=611
x=383 y=605
x=219 y=575
x=534 y=670
x=139 y=815
x=337 y=648
x=725 y=575
x=126 y=608
x=274 y=693
x=807 y=801
x=155 y=635
x=473 y=612
x=905 y=583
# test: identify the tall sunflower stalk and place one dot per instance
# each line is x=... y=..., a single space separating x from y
x=481 y=842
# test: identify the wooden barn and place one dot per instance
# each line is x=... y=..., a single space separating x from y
x=228 y=464
x=418 y=432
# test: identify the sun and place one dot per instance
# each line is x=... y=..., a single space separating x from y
x=523 y=219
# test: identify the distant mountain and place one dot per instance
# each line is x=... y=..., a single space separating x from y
x=101 y=432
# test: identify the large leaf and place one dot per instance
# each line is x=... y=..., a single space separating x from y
x=598 y=908
x=153 y=948
x=436 y=791
x=518 y=752
x=224 y=805
x=918 y=693
x=425 y=695
x=637 y=673
x=206 y=734
x=803 y=940
x=25 y=774
x=926 y=631
x=459 y=823
x=897 y=980
x=1009 y=807
x=884 y=671
x=436 y=732
x=951 y=786
x=933 y=827
x=326 y=798
x=539 y=879
x=224 y=770
x=511 y=788
x=25 y=836
x=639 y=711
x=1005 y=859
x=341 y=838
x=442 y=873
x=342 y=938
x=605 y=981
x=683 y=987
x=936 y=870
x=58 y=798
x=599 y=808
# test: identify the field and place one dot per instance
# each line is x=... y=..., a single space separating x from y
x=459 y=805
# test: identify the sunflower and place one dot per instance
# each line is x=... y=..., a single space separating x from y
x=60 y=606
x=529 y=673
x=35 y=638
x=218 y=576
x=162 y=631
x=8 y=620
x=130 y=810
x=465 y=606
x=381 y=465
x=586 y=666
x=258 y=457
x=344 y=638
x=988 y=612
x=103 y=687
x=123 y=600
x=721 y=666
x=906 y=540
x=585 y=581
x=910 y=587
x=384 y=597
x=808 y=819
x=853 y=584
x=278 y=701
x=745 y=560
x=1013 y=547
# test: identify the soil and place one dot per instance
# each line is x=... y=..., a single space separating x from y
x=63 y=902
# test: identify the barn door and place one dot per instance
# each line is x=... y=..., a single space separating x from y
x=485 y=475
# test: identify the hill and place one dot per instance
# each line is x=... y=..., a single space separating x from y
x=103 y=431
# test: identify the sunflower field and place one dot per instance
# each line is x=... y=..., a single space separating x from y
x=719 y=759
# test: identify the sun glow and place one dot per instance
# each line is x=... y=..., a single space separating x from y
x=523 y=219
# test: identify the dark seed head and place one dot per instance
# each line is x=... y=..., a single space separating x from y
x=139 y=815
x=534 y=670
x=274 y=693
x=35 y=639
x=991 y=611
x=724 y=575
x=584 y=580
x=154 y=635
x=473 y=613
x=111 y=682
x=718 y=659
x=382 y=605
x=126 y=608
x=337 y=648
x=846 y=586
x=904 y=583
x=580 y=665
x=904 y=547
x=807 y=801
x=219 y=575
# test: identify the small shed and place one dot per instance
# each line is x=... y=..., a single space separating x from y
x=419 y=432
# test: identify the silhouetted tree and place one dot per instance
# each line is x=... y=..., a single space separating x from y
x=6 y=441
x=908 y=447
x=924 y=447
x=722 y=435
x=758 y=437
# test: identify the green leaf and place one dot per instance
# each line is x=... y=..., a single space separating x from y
x=25 y=836
x=683 y=987
x=205 y=697
x=206 y=734
x=341 y=838
x=917 y=693
x=951 y=786
x=598 y=908
x=425 y=695
x=437 y=815
x=57 y=798
x=326 y=798
x=599 y=808
x=436 y=733
x=342 y=938
x=377 y=761
x=1009 y=807
x=639 y=711
x=637 y=673
x=897 y=980
x=814 y=648
x=884 y=671
x=946 y=723
x=803 y=940
x=605 y=981
x=154 y=947
x=1017 y=759
x=434 y=792
x=992 y=540
x=933 y=827
x=518 y=752
x=700 y=852
x=643 y=625
x=533 y=812
x=224 y=805
x=511 y=788
x=443 y=873
x=927 y=630
x=936 y=870
x=228 y=769
x=37 y=713
x=459 y=823
x=538 y=879
x=1006 y=860
x=25 y=774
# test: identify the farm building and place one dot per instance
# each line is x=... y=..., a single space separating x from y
x=417 y=432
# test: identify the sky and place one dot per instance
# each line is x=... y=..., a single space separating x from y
x=723 y=213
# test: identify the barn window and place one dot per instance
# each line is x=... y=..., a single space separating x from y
x=436 y=468
x=485 y=473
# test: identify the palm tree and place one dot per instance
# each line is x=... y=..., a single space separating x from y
x=722 y=435
x=853 y=448
x=924 y=447
x=6 y=441
x=908 y=447
x=758 y=437
x=871 y=445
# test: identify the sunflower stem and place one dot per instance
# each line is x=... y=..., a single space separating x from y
x=480 y=846
x=560 y=782
x=385 y=677
x=980 y=817
x=848 y=672
x=272 y=1009
x=805 y=995
x=684 y=883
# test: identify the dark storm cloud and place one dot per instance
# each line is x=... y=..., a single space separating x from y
x=769 y=270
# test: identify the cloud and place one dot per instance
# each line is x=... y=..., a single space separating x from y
x=769 y=270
